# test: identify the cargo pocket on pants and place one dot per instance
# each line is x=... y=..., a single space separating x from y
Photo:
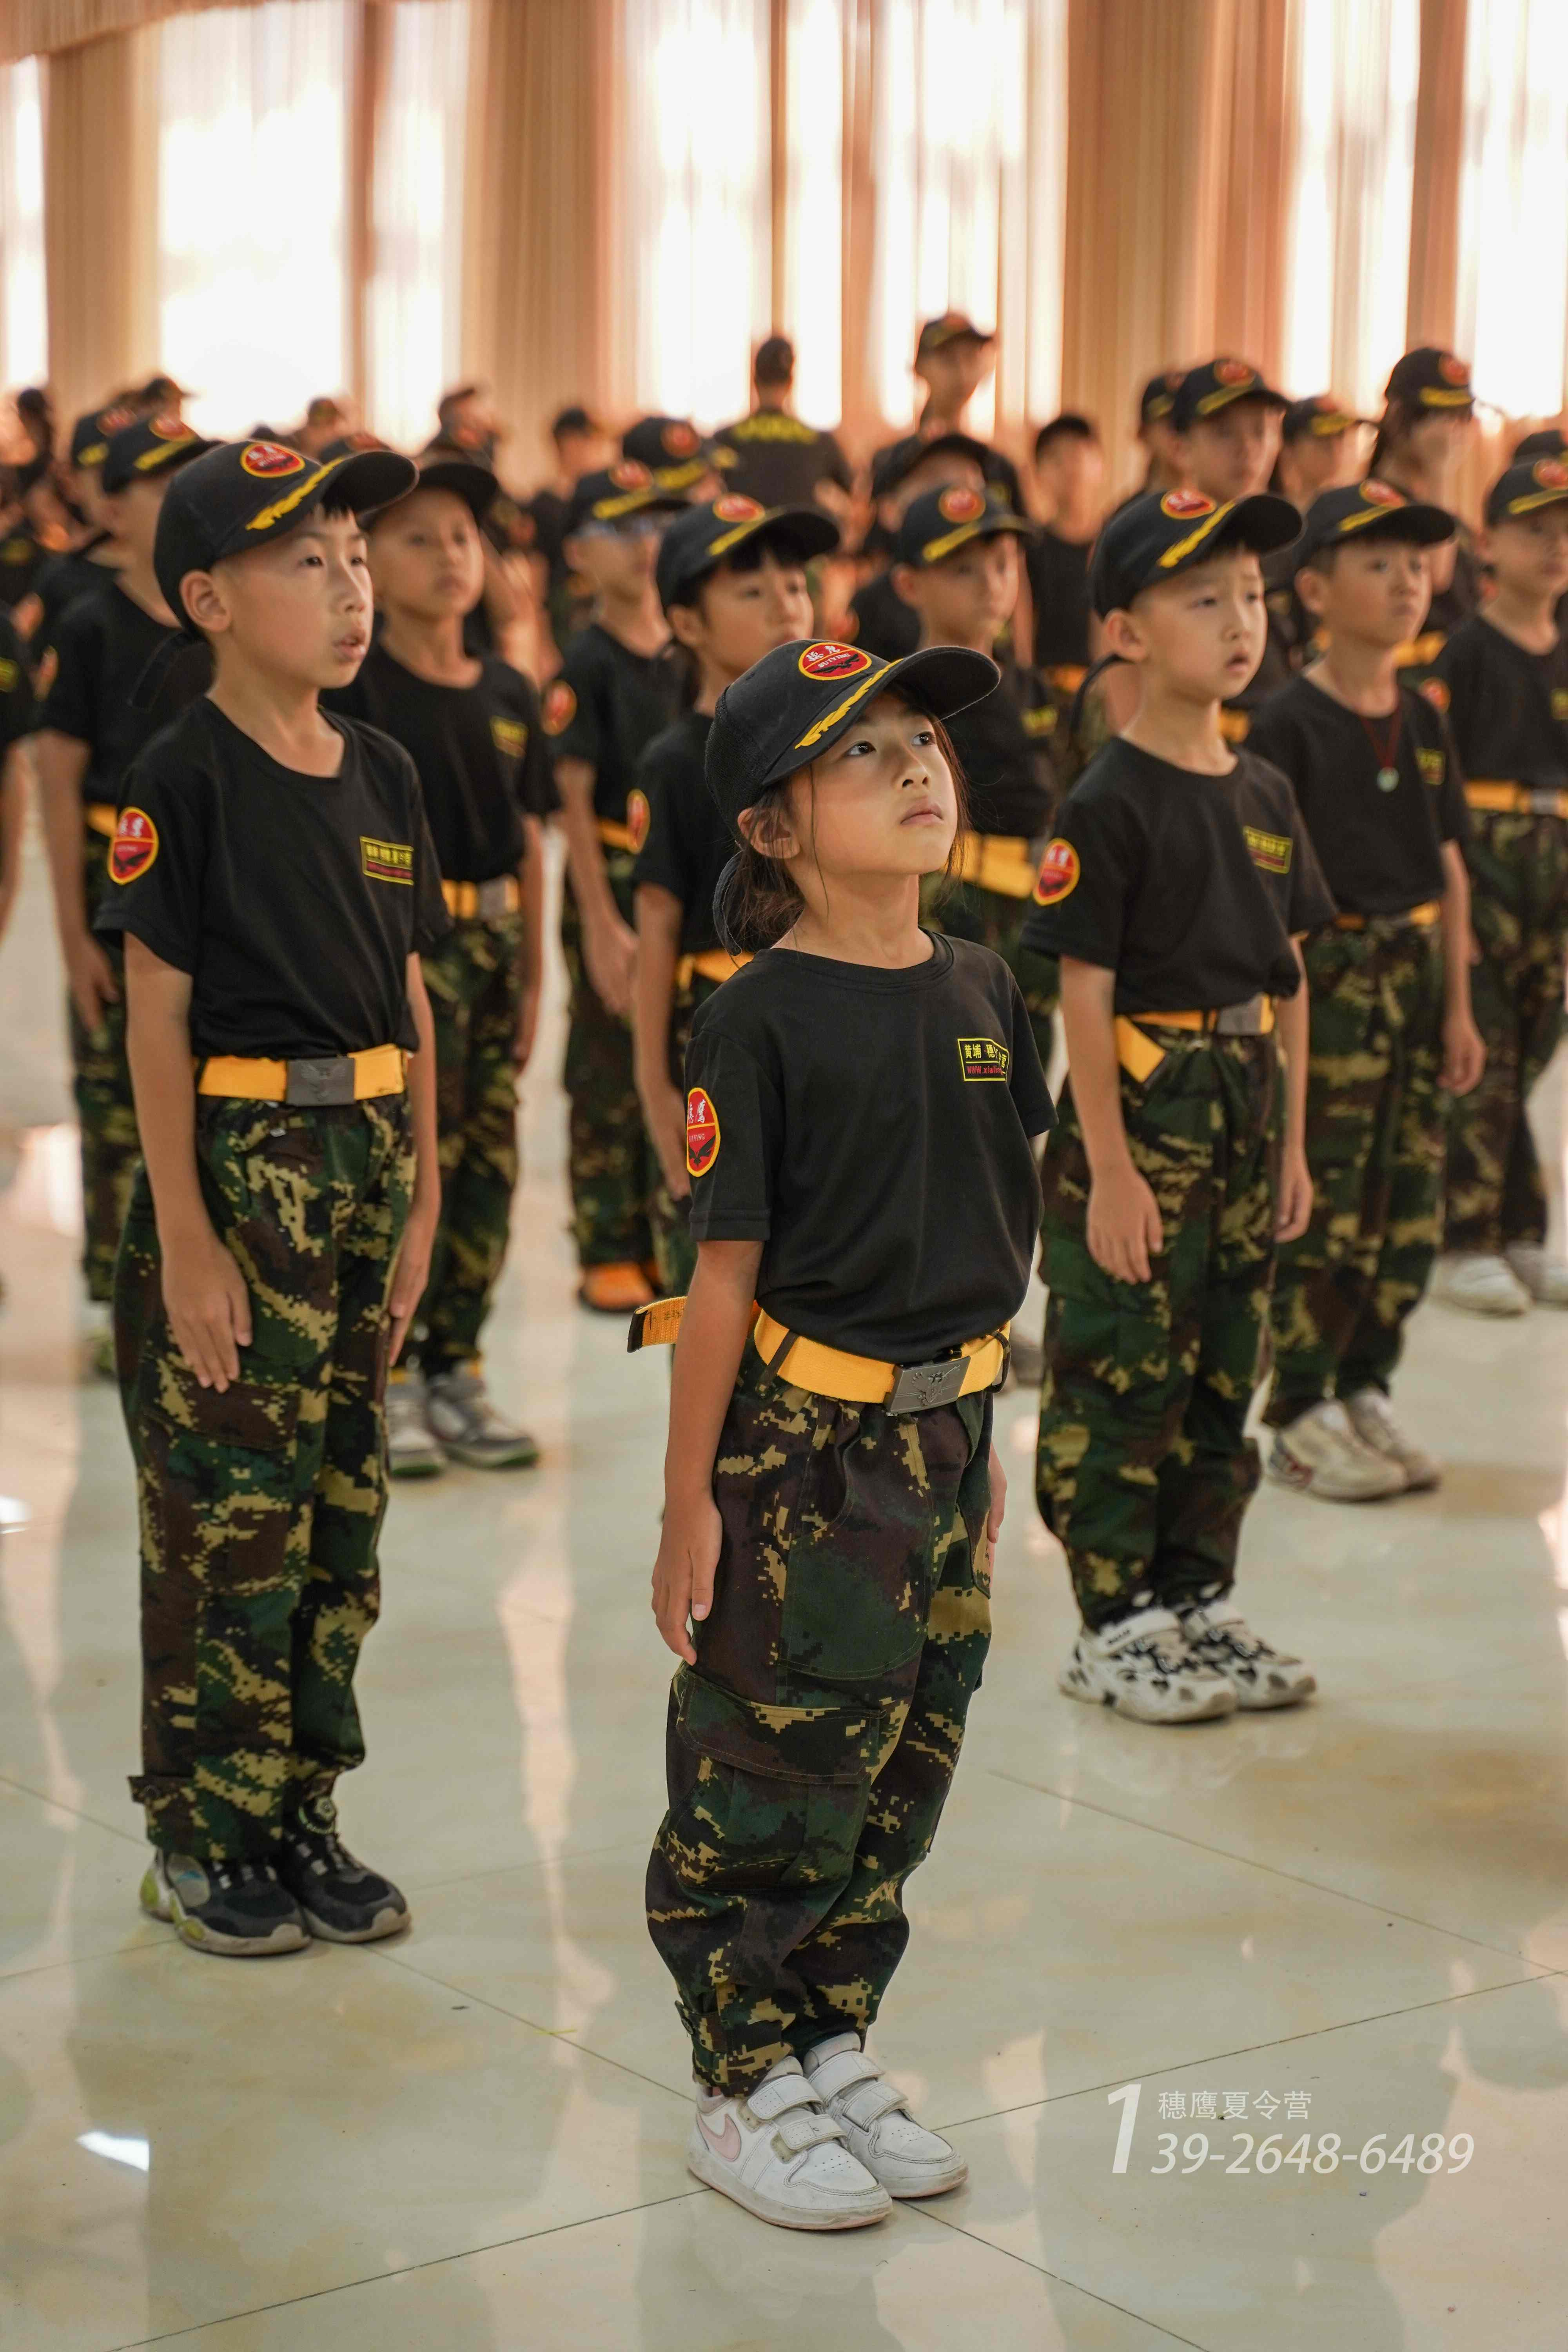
x=779 y=1792
x=1112 y=1334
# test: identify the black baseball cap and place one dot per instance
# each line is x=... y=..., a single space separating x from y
x=1154 y=536
x=699 y=540
x=475 y=484
x=1321 y=417
x=939 y=523
x=1158 y=397
x=1550 y=442
x=575 y=419
x=671 y=448
x=1539 y=482
x=628 y=488
x=1371 y=509
x=240 y=493
x=890 y=465
x=149 y=444
x=91 y=434
x=953 y=327
x=795 y=704
x=1218 y=384
x=1429 y=377
x=347 y=445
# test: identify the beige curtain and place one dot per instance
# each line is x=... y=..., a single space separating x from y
x=1439 y=159
x=99 y=217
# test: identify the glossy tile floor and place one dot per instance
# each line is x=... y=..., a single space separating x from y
x=1353 y=1920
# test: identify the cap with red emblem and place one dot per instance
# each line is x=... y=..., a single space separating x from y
x=939 y=523
x=1153 y=538
x=1541 y=482
x=1372 y=509
x=1218 y=384
x=702 y=538
x=1429 y=377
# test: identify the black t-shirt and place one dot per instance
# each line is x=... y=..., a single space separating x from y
x=605 y=706
x=293 y=901
x=688 y=845
x=1001 y=742
x=60 y=583
x=779 y=461
x=17 y=712
x=1058 y=588
x=479 y=748
x=22 y=558
x=1188 y=887
x=871 y=1129
x=882 y=621
x=1379 y=850
x=1508 y=708
x=103 y=642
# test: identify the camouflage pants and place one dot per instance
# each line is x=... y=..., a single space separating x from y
x=1518 y=907
x=1143 y=1468
x=260 y=1509
x=965 y=911
x=106 y=1109
x=809 y=1753
x=1374 y=1145
x=612 y=1162
x=475 y=988
x=674 y=1251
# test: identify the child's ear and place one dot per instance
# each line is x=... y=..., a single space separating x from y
x=204 y=602
x=906 y=578
x=1123 y=637
x=1313 y=588
x=768 y=831
x=684 y=626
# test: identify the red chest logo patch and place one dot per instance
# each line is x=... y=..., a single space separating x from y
x=269 y=459
x=134 y=846
x=832 y=661
x=1059 y=873
x=701 y=1132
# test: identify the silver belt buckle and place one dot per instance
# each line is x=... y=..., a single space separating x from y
x=919 y=1387
x=490 y=897
x=1240 y=1020
x=1546 y=802
x=314 y=1084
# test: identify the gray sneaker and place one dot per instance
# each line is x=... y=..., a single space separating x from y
x=236 y=1909
x=411 y=1449
x=459 y=1412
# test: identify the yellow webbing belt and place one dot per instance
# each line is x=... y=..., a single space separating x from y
x=1422 y=917
x=1418 y=652
x=713 y=963
x=1002 y=861
x=614 y=835
x=1235 y=725
x=1512 y=800
x=102 y=818
x=1065 y=677
x=809 y=1364
x=463 y=897
x=1140 y=1058
x=378 y=1070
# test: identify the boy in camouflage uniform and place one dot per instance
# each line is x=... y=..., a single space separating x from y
x=1179 y=878
x=1375 y=771
x=279 y=1231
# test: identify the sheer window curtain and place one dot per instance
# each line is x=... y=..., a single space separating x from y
x=1512 y=310
x=24 y=320
x=253 y=151
x=414 y=298
x=695 y=228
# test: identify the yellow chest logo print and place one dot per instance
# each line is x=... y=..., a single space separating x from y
x=1271 y=850
x=983 y=1058
x=386 y=861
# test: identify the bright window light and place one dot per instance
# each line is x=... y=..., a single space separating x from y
x=252 y=157
x=135 y=2153
x=814 y=206
x=23 y=317
x=415 y=296
x=1512 y=305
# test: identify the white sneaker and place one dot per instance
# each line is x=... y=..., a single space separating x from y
x=411 y=1450
x=1544 y=1274
x=908 y=2160
x=458 y=1411
x=1478 y=1285
x=1141 y=1667
x=1372 y=1417
x=778 y=2152
x=1219 y=1635
x=1322 y=1453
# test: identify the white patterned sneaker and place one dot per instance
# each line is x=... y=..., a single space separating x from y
x=1544 y=1273
x=908 y=2160
x=459 y=1411
x=777 y=2151
x=1141 y=1667
x=411 y=1448
x=1372 y=1417
x=1480 y=1283
x=1218 y=1634
x=1323 y=1452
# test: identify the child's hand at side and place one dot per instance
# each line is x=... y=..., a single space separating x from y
x=664 y=1114
x=1123 y=1224
x=684 y=1571
x=1294 y=1213
x=208 y=1305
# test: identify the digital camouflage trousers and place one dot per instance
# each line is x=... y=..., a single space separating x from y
x=475 y=986
x=105 y=1106
x=613 y=1165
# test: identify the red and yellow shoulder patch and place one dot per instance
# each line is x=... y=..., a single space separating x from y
x=701 y=1132
x=638 y=817
x=1436 y=691
x=133 y=847
x=1059 y=874
x=559 y=707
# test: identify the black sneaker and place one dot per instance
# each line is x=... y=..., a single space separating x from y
x=344 y=1902
x=236 y=1909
